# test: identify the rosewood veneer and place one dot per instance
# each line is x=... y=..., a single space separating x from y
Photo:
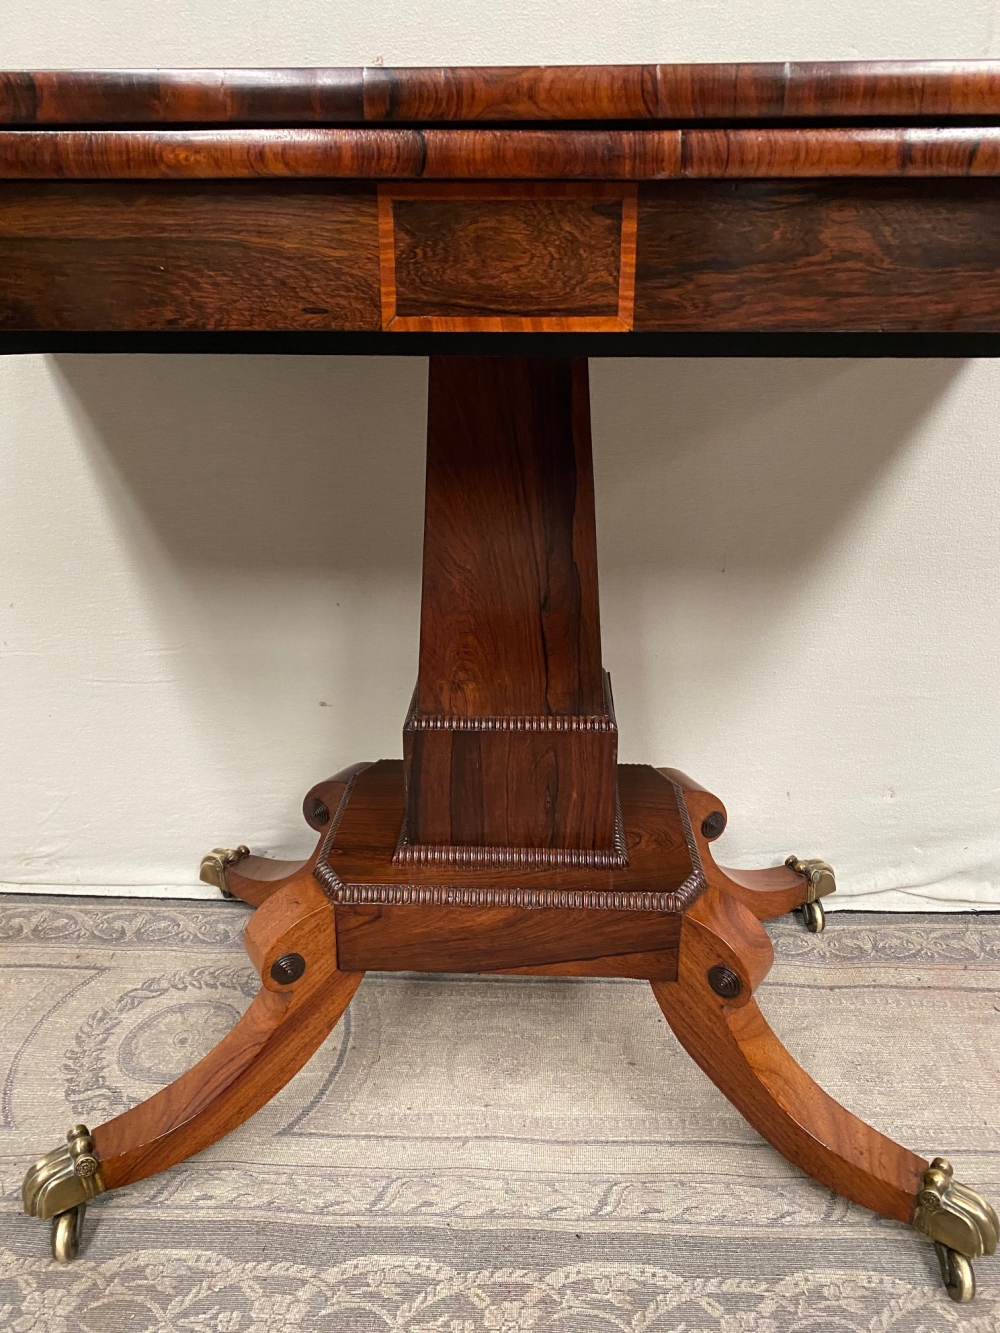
x=509 y=223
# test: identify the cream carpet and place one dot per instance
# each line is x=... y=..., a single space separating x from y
x=488 y=1155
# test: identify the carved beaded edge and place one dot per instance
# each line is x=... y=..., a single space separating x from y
x=443 y=895
x=516 y=858
x=606 y=721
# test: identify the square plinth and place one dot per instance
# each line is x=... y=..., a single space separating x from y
x=446 y=916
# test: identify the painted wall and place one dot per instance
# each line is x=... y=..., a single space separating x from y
x=209 y=567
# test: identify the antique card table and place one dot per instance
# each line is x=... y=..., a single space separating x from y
x=509 y=223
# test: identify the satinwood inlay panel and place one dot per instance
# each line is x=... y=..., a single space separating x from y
x=501 y=257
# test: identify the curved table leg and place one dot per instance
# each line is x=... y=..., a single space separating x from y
x=724 y=954
x=239 y=874
x=778 y=889
x=795 y=886
x=292 y=942
x=253 y=879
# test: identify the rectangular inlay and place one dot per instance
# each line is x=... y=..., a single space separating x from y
x=517 y=257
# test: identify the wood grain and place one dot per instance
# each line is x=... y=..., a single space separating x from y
x=254 y=879
x=740 y=1054
x=507 y=257
x=207 y=96
x=510 y=623
x=855 y=89
x=369 y=154
x=788 y=90
x=248 y=202
x=509 y=618
x=766 y=893
x=515 y=797
x=648 y=966
x=330 y=793
x=499 y=154
x=819 y=255
x=489 y=939
x=357 y=865
x=237 y=255
x=270 y=1043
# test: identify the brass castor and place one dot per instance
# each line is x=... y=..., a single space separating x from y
x=814 y=916
x=820 y=881
x=961 y=1224
x=59 y=1185
x=217 y=862
x=957 y=1274
x=67 y=1228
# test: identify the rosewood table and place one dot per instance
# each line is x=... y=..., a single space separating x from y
x=509 y=223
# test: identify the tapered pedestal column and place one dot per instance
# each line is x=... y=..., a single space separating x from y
x=510 y=746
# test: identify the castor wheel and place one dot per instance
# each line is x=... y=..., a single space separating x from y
x=820 y=881
x=957 y=1274
x=814 y=916
x=67 y=1228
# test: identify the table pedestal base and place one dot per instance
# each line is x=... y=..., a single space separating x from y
x=704 y=963
x=509 y=839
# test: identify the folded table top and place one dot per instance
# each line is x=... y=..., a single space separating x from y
x=919 y=91
x=383 y=209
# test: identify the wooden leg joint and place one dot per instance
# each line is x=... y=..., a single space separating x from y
x=725 y=949
x=296 y=923
x=733 y=1044
x=297 y=1006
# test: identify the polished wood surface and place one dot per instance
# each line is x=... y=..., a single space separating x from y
x=864 y=255
x=507 y=257
x=499 y=154
x=359 y=863
x=511 y=741
x=733 y=1044
x=454 y=205
x=272 y=1041
x=173 y=256
x=765 y=91
x=607 y=201
x=819 y=255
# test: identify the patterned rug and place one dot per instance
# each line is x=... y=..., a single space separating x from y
x=488 y=1155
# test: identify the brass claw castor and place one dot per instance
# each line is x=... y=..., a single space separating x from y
x=217 y=862
x=961 y=1224
x=819 y=882
x=59 y=1185
x=67 y=1228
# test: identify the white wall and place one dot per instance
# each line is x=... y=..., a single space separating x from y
x=209 y=567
